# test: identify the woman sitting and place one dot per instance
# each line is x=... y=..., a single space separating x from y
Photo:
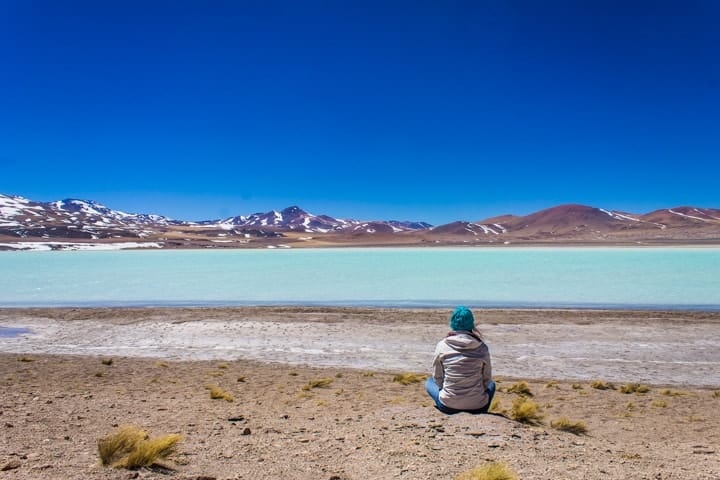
x=462 y=373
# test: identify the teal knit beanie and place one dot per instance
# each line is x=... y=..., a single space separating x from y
x=462 y=319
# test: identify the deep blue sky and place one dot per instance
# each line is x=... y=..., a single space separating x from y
x=423 y=110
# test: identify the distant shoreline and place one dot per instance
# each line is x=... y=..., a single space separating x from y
x=62 y=245
x=330 y=306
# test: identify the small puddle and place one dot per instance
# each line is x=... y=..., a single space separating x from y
x=10 y=332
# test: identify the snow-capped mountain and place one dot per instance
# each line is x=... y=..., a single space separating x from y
x=296 y=219
x=24 y=220
x=86 y=219
x=72 y=218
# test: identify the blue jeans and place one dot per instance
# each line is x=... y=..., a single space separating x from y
x=434 y=391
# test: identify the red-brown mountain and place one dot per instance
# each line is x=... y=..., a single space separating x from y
x=590 y=224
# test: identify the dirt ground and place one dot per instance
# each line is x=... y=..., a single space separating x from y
x=363 y=425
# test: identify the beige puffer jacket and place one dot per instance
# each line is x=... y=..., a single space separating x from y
x=462 y=369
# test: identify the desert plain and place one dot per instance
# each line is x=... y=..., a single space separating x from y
x=313 y=393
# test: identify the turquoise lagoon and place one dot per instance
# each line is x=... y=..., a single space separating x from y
x=637 y=278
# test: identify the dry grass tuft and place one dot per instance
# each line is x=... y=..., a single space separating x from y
x=107 y=361
x=338 y=375
x=602 y=385
x=525 y=411
x=368 y=374
x=496 y=407
x=408 y=378
x=566 y=425
x=716 y=394
x=162 y=364
x=631 y=456
x=149 y=451
x=99 y=374
x=113 y=447
x=490 y=471
x=577 y=386
x=319 y=383
x=521 y=388
x=673 y=393
x=659 y=403
x=552 y=384
x=217 y=393
x=634 y=388
x=222 y=366
x=25 y=359
x=131 y=448
x=216 y=374
x=241 y=379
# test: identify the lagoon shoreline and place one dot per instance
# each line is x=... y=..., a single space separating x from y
x=658 y=347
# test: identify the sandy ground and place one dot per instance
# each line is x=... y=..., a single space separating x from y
x=58 y=398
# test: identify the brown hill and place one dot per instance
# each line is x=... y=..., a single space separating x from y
x=684 y=217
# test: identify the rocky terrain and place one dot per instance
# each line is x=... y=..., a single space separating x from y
x=84 y=224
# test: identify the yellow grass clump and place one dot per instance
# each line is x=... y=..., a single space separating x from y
x=602 y=385
x=567 y=425
x=130 y=447
x=577 y=386
x=217 y=393
x=659 y=403
x=552 y=384
x=222 y=366
x=490 y=471
x=496 y=406
x=408 y=378
x=25 y=359
x=634 y=388
x=107 y=361
x=525 y=411
x=319 y=383
x=521 y=388
x=716 y=394
x=162 y=364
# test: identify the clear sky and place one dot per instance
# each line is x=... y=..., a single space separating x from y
x=409 y=110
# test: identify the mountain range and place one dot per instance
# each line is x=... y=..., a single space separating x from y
x=24 y=222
